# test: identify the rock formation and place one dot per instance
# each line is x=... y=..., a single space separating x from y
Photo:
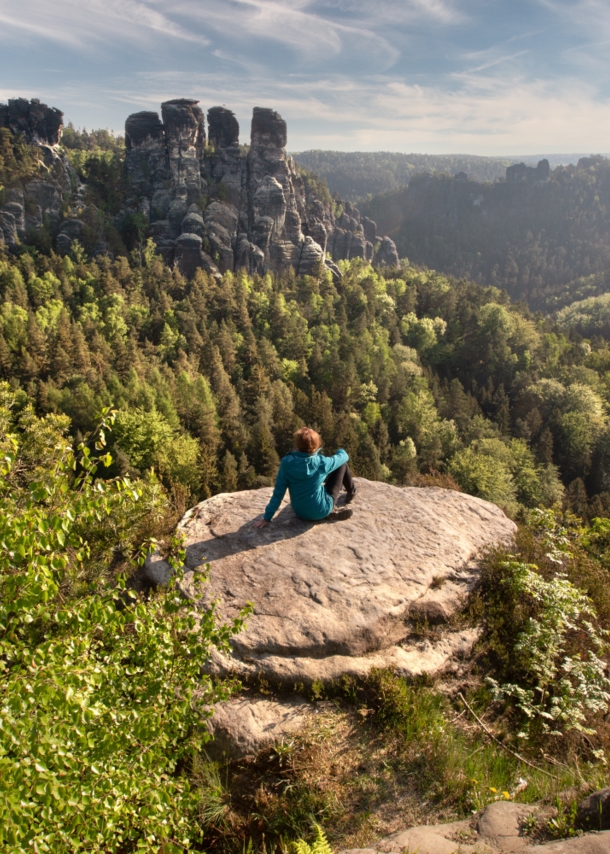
x=208 y=204
x=214 y=207
x=519 y=172
x=341 y=598
x=334 y=599
x=39 y=200
x=36 y=122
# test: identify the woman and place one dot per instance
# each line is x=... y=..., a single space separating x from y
x=314 y=481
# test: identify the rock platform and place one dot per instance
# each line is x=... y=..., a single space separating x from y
x=340 y=598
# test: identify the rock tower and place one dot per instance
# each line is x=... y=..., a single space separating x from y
x=212 y=205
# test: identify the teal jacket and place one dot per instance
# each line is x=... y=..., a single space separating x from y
x=304 y=475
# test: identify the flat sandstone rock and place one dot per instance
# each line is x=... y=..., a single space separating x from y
x=337 y=597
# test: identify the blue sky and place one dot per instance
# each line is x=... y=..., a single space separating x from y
x=478 y=76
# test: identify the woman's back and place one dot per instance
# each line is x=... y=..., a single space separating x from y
x=303 y=474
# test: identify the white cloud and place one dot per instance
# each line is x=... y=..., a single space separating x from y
x=478 y=114
x=341 y=72
x=396 y=11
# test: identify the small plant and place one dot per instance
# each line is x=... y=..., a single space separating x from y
x=563 y=824
x=215 y=800
x=319 y=845
x=529 y=825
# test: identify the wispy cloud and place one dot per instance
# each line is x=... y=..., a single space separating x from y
x=481 y=114
x=299 y=26
x=397 y=11
x=85 y=23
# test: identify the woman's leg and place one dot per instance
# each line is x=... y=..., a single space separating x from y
x=348 y=480
x=334 y=482
x=341 y=477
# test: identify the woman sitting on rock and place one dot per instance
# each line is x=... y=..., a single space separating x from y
x=313 y=481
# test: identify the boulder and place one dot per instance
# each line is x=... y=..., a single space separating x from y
x=38 y=124
x=312 y=256
x=143 y=128
x=193 y=224
x=243 y=726
x=590 y=843
x=184 y=126
x=336 y=598
x=268 y=129
x=387 y=254
x=594 y=812
x=221 y=214
x=500 y=825
x=189 y=253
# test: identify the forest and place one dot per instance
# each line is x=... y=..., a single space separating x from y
x=356 y=176
x=411 y=372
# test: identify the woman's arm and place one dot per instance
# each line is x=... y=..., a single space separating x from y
x=336 y=461
x=281 y=485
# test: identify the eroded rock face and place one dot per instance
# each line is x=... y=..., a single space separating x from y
x=336 y=598
x=594 y=811
x=520 y=173
x=258 y=212
x=243 y=726
x=39 y=200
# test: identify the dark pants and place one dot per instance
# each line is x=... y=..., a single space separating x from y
x=338 y=478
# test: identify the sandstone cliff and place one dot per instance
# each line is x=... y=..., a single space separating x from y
x=207 y=201
x=211 y=205
x=27 y=205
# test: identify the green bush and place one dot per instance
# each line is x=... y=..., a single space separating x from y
x=102 y=698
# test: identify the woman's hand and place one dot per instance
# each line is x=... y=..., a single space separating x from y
x=260 y=523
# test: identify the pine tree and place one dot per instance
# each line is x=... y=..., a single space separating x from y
x=261 y=451
x=5 y=358
x=229 y=480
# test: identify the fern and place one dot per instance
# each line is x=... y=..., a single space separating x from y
x=319 y=846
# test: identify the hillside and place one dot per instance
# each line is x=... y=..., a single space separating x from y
x=173 y=678
x=532 y=234
x=408 y=371
x=357 y=175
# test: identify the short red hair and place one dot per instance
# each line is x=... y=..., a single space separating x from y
x=307 y=440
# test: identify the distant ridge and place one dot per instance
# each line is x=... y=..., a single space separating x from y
x=359 y=175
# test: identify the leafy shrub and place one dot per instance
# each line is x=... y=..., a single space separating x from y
x=101 y=693
x=561 y=688
x=559 y=648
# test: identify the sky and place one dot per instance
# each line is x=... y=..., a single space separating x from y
x=490 y=77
